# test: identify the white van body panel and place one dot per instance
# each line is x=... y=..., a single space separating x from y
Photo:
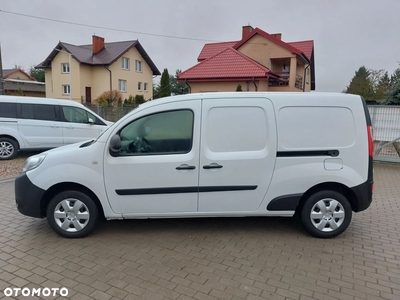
x=239 y=137
x=248 y=151
x=72 y=164
x=154 y=171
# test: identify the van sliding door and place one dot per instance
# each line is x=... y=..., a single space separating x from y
x=237 y=154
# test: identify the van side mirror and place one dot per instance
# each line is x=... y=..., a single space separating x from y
x=115 y=145
x=90 y=121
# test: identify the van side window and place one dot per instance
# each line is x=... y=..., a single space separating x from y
x=8 y=110
x=38 y=112
x=75 y=115
x=79 y=115
x=168 y=132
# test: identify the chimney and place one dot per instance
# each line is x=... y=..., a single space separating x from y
x=246 y=30
x=277 y=35
x=98 y=44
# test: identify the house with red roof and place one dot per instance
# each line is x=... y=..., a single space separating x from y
x=19 y=83
x=258 y=62
x=83 y=72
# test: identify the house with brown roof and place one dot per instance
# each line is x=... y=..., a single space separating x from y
x=19 y=83
x=83 y=73
x=258 y=62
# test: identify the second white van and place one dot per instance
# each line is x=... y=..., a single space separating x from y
x=29 y=123
x=212 y=155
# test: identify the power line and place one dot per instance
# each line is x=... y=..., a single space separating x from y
x=106 y=28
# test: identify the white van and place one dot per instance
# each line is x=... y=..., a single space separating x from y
x=212 y=155
x=28 y=123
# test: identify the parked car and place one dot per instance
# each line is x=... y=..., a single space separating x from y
x=212 y=155
x=28 y=123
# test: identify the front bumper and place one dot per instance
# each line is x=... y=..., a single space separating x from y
x=28 y=197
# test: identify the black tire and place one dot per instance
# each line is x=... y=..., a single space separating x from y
x=8 y=148
x=80 y=211
x=325 y=206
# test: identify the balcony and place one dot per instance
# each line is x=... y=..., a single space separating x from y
x=283 y=80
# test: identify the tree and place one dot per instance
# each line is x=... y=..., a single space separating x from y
x=177 y=88
x=394 y=96
x=239 y=88
x=395 y=78
x=382 y=87
x=38 y=74
x=361 y=84
x=165 y=87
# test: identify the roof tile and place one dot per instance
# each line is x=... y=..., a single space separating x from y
x=304 y=46
x=228 y=63
x=214 y=48
x=110 y=53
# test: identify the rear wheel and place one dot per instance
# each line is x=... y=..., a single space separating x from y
x=8 y=148
x=326 y=214
x=72 y=214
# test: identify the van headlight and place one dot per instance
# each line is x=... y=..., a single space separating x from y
x=33 y=162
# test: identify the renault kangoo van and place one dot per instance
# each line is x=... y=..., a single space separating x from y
x=212 y=155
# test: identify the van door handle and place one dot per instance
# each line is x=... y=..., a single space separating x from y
x=185 y=167
x=212 y=166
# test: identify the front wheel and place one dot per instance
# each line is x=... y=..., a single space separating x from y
x=72 y=214
x=326 y=214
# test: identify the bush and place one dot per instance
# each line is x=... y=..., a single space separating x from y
x=139 y=99
x=239 y=88
x=109 y=98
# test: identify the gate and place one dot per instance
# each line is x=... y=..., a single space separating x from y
x=386 y=132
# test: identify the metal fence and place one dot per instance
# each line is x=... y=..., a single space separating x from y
x=386 y=132
x=112 y=114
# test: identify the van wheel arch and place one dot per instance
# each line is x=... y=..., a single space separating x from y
x=332 y=186
x=61 y=187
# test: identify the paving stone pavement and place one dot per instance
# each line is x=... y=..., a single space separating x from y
x=233 y=258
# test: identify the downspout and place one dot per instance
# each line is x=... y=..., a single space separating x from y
x=110 y=77
x=190 y=88
x=304 y=82
x=255 y=85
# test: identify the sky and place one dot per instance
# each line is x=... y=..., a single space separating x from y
x=347 y=34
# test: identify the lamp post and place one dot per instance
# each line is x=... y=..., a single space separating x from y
x=70 y=69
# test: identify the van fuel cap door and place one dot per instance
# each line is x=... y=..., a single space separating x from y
x=333 y=164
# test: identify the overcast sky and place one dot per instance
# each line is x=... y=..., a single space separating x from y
x=347 y=33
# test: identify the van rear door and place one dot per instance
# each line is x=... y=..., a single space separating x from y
x=237 y=154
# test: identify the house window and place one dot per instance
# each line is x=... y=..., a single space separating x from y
x=145 y=86
x=122 y=85
x=139 y=86
x=138 y=66
x=65 y=68
x=125 y=63
x=66 y=88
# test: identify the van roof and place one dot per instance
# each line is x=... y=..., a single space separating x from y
x=39 y=100
x=320 y=96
